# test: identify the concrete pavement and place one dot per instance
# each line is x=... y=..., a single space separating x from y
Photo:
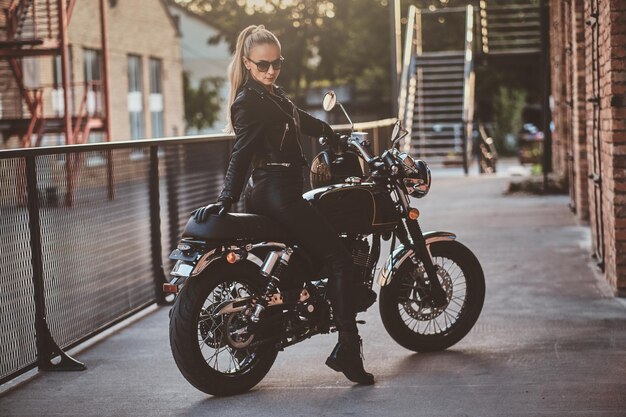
x=551 y=340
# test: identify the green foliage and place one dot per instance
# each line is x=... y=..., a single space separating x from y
x=323 y=41
x=507 y=112
x=202 y=104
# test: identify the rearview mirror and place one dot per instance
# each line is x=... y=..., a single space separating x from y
x=397 y=133
x=330 y=101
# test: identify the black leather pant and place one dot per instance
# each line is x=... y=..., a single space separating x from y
x=278 y=195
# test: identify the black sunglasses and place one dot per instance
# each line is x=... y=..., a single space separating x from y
x=264 y=66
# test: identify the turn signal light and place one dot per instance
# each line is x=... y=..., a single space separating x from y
x=414 y=214
x=232 y=257
x=170 y=288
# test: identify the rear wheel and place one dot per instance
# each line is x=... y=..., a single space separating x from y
x=412 y=322
x=215 y=352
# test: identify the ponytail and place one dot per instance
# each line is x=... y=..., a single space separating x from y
x=237 y=73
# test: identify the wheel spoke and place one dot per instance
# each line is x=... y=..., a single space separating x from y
x=420 y=317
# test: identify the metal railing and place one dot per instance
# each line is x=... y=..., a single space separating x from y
x=469 y=81
x=73 y=267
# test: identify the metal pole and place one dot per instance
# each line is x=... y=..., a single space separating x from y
x=547 y=116
x=396 y=55
x=155 y=225
x=46 y=346
x=106 y=97
x=67 y=116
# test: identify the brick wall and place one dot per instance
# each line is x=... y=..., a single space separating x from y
x=579 y=136
x=613 y=116
x=589 y=114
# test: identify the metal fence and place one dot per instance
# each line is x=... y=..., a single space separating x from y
x=85 y=231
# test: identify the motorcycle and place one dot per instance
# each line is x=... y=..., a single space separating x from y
x=245 y=291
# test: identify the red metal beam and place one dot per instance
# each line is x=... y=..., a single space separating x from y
x=69 y=199
x=106 y=92
x=21 y=53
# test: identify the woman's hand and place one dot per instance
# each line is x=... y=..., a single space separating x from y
x=220 y=208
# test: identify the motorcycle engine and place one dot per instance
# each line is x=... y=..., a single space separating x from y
x=363 y=262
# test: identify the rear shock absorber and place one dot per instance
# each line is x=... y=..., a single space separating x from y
x=273 y=266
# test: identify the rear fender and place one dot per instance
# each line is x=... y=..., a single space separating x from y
x=404 y=254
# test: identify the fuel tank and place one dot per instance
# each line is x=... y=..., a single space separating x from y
x=355 y=208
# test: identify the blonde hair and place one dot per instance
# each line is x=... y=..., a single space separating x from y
x=248 y=38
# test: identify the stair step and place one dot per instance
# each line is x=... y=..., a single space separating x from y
x=514 y=43
x=512 y=5
x=452 y=117
x=437 y=109
x=443 y=53
x=514 y=51
x=441 y=143
x=442 y=85
x=440 y=100
x=450 y=127
x=521 y=16
x=449 y=70
x=497 y=25
x=438 y=76
x=443 y=63
x=429 y=93
x=430 y=133
x=514 y=34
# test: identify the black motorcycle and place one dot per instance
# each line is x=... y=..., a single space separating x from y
x=245 y=290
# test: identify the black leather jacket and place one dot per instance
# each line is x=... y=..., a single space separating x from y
x=267 y=129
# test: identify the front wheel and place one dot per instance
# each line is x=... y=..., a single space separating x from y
x=216 y=353
x=412 y=321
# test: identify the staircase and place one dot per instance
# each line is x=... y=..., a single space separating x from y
x=29 y=29
x=436 y=100
x=437 y=129
x=510 y=27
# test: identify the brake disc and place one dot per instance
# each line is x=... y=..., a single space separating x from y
x=415 y=306
x=236 y=332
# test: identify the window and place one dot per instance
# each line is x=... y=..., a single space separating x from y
x=93 y=87
x=135 y=97
x=156 y=97
x=58 y=106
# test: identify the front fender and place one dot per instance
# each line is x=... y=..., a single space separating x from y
x=404 y=253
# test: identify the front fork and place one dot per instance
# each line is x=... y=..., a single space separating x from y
x=437 y=296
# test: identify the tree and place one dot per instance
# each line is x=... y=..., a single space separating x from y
x=202 y=104
x=324 y=41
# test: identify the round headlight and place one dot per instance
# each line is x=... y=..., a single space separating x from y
x=416 y=176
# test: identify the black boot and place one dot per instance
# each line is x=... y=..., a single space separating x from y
x=362 y=297
x=346 y=357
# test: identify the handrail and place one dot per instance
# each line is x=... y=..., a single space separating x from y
x=408 y=43
x=367 y=125
x=468 y=87
x=175 y=140
x=107 y=146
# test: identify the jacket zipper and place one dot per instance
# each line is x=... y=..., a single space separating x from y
x=282 y=141
x=292 y=117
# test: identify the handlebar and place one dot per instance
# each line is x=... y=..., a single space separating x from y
x=346 y=141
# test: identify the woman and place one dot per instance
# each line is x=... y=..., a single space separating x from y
x=267 y=127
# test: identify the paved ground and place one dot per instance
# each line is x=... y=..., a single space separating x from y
x=551 y=340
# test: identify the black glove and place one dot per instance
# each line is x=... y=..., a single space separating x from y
x=220 y=208
x=332 y=138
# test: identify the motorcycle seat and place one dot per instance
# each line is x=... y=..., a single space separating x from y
x=237 y=226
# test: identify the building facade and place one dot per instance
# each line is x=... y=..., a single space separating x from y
x=145 y=72
x=203 y=60
x=145 y=65
x=588 y=72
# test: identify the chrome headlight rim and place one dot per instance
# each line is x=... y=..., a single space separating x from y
x=417 y=175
